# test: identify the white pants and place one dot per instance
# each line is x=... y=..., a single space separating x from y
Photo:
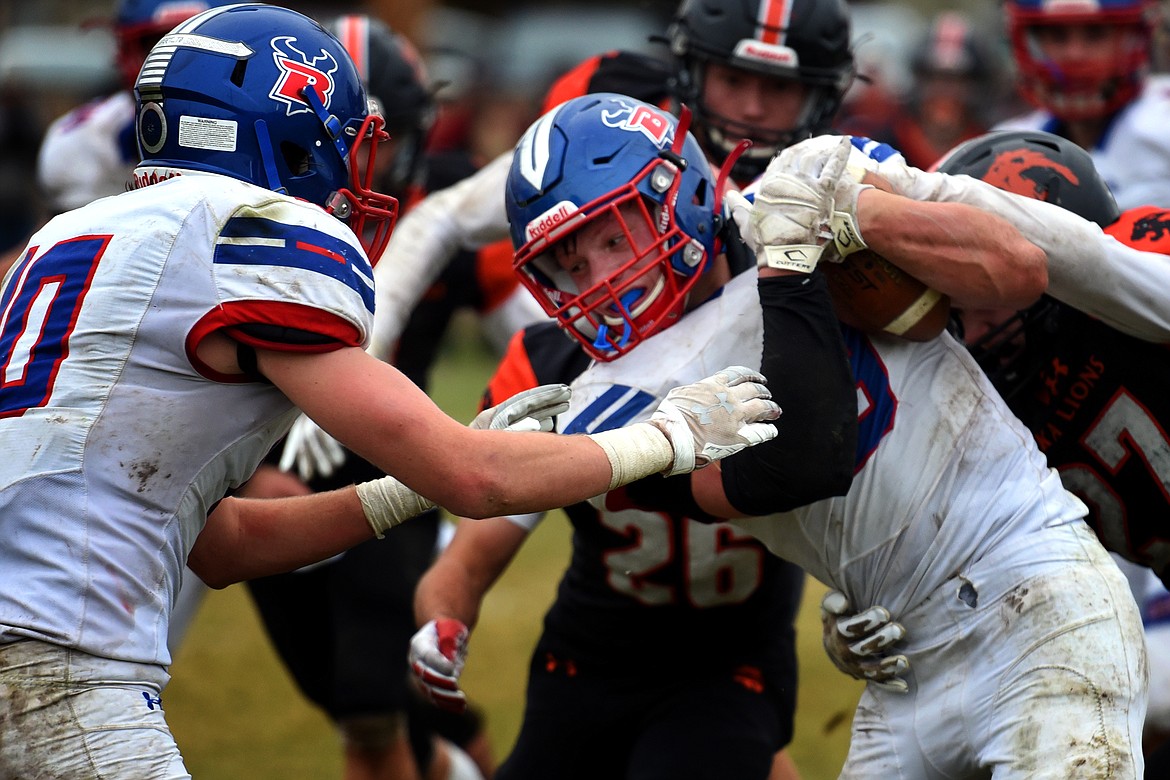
x=69 y=714
x=1030 y=665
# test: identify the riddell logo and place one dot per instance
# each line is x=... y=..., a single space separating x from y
x=550 y=219
x=766 y=52
x=145 y=176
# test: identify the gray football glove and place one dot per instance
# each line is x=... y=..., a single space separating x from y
x=856 y=642
x=702 y=423
x=531 y=410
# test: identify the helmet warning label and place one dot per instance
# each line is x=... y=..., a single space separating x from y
x=202 y=133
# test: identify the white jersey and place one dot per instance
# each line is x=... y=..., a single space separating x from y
x=1133 y=156
x=945 y=472
x=117 y=439
x=88 y=153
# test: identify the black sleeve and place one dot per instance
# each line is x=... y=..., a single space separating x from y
x=808 y=373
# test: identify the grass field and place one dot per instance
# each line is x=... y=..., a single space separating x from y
x=236 y=712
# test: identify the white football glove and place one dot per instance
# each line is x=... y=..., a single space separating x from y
x=530 y=410
x=716 y=417
x=820 y=158
x=438 y=652
x=810 y=156
x=856 y=642
x=791 y=220
x=313 y=452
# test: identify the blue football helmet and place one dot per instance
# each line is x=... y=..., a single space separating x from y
x=607 y=155
x=1090 y=87
x=266 y=95
x=138 y=24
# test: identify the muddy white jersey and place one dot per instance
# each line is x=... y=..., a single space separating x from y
x=1133 y=155
x=88 y=153
x=944 y=474
x=117 y=439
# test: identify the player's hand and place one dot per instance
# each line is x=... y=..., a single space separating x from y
x=810 y=157
x=794 y=212
x=530 y=410
x=716 y=417
x=438 y=652
x=856 y=642
x=313 y=452
x=821 y=157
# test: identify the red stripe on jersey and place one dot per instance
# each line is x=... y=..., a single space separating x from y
x=294 y=316
x=514 y=374
x=773 y=20
x=321 y=251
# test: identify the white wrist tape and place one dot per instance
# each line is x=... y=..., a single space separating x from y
x=634 y=452
x=386 y=502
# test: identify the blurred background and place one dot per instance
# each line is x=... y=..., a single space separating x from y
x=232 y=706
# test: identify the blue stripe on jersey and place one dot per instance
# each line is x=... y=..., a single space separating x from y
x=875 y=150
x=297 y=246
x=869 y=373
x=590 y=420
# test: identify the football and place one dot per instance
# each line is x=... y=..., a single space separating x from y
x=875 y=296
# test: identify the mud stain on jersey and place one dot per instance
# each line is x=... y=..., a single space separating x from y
x=141 y=471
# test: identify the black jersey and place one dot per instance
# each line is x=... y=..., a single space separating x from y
x=1098 y=405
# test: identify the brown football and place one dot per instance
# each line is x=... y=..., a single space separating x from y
x=875 y=296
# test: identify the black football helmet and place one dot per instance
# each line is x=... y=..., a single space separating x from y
x=1046 y=167
x=394 y=76
x=806 y=40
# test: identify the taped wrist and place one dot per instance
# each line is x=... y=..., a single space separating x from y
x=386 y=502
x=634 y=452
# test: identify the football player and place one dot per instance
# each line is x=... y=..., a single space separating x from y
x=1085 y=68
x=1090 y=334
x=699 y=601
x=955 y=82
x=160 y=341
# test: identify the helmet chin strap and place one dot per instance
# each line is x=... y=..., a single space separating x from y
x=267 y=159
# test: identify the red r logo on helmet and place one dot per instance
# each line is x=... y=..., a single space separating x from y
x=298 y=71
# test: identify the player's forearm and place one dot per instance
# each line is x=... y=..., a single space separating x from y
x=977 y=258
x=246 y=538
x=455 y=585
x=445 y=591
x=1086 y=269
